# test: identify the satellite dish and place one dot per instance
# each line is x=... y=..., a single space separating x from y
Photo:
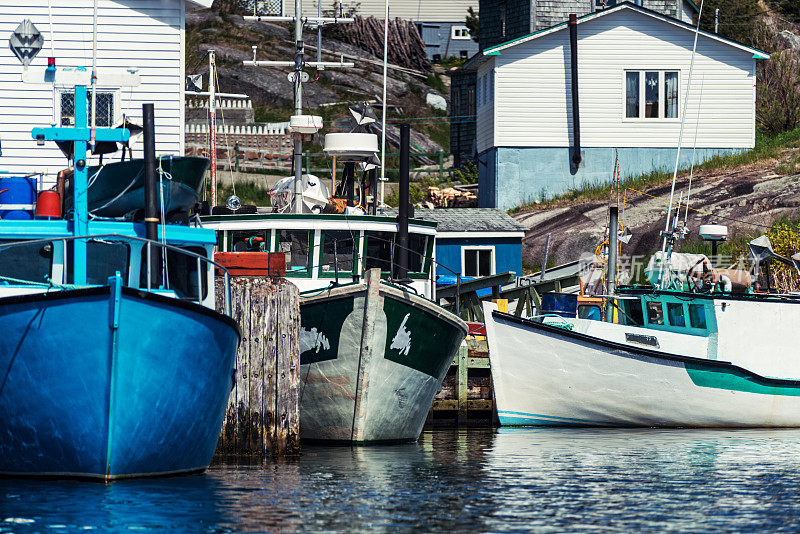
x=233 y=203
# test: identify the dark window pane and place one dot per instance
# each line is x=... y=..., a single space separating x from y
x=105 y=108
x=30 y=262
x=633 y=309
x=338 y=246
x=651 y=95
x=697 y=315
x=485 y=262
x=671 y=95
x=675 y=314
x=251 y=241
x=294 y=243
x=632 y=94
x=655 y=314
x=417 y=247
x=378 y=250
x=470 y=262
x=103 y=259
x=181 y=272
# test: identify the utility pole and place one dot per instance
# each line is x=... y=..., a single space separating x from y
x=299 y=124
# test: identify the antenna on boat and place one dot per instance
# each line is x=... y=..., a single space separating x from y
x=212 y=124
x=299 y=124
x=667 y=234
x=383 y=102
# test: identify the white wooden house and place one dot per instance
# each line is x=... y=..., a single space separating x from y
x=148 y=35
x=633 y=71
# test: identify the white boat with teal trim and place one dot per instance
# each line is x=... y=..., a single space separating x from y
x=696 y=361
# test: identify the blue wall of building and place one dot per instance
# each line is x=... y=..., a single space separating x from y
x=439 y=43
x=512 y=176
x=507 y=255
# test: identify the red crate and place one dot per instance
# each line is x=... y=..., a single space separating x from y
x=252 y=263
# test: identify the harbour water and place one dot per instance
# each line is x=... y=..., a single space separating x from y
x=545 y=480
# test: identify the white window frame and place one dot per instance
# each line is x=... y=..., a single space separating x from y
x=459 y=33
x=464 y=248
x=115 y=95
x=661 y=95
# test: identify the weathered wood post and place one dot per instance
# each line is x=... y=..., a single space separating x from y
x=262 y=418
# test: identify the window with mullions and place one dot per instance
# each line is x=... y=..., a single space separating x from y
x=294 y=243
x=651 y=94
x=30 y=262
x=105 y=109
x=477 y=262
x=103 y=259
x=338 y=247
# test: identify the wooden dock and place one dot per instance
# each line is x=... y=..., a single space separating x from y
x=262 y=418
x=466 y=398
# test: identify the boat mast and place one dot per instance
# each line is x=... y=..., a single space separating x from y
x=212 y=124
x=669 y=236
x=383 y=102
x=298 y=77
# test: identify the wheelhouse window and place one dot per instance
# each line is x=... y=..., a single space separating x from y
x=675 y=314
x=417 y=247
x=103 y=259
x=378 y=250
x=477 y=262
x=655 y=313
x=294 y=243
x=697 y=315
x=183 y=276
x=651 y=94
x=250 y=241
x=30 y=262
x=338 y=251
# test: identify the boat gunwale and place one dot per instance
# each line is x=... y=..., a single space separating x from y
x=745 y=297
x=642 y=351
x=61 y=294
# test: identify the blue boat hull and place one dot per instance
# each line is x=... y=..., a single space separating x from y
x=111 y=384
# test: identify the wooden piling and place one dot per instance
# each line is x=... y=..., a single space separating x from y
x=262 y=418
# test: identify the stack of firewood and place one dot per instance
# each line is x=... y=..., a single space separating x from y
x=450 y=197
x=406 y=47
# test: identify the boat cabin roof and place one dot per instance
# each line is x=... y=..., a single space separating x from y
x=309 y=221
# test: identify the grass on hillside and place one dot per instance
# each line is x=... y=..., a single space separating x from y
x=767 y=147
x=249 y=192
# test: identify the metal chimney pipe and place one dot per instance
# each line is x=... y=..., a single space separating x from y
x=402 y=218
x=150 y=182
x=576 y=121
x=613 y=244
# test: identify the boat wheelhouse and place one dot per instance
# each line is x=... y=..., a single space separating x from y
x=324 y=248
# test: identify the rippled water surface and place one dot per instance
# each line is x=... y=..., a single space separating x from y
x=528 y=479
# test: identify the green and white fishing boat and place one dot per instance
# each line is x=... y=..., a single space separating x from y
x=374 y=346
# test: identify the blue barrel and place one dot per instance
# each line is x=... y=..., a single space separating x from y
x=563 y=304
x=17 y=197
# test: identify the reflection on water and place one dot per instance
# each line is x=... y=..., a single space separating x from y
x=524 y=479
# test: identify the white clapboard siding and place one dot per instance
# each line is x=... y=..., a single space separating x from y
x=533 y=101
x=419 y=10
x=143 y=34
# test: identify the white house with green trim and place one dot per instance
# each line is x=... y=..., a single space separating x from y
x=633 y=74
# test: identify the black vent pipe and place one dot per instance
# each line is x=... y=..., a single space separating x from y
x=576 y=120
x=402 y=218
x=150 y=183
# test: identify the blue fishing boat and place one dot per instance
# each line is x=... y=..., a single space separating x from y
x=100 y=375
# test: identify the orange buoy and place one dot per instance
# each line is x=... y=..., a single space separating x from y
x=48 y=204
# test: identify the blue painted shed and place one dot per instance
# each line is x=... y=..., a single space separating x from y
x=474 y=242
